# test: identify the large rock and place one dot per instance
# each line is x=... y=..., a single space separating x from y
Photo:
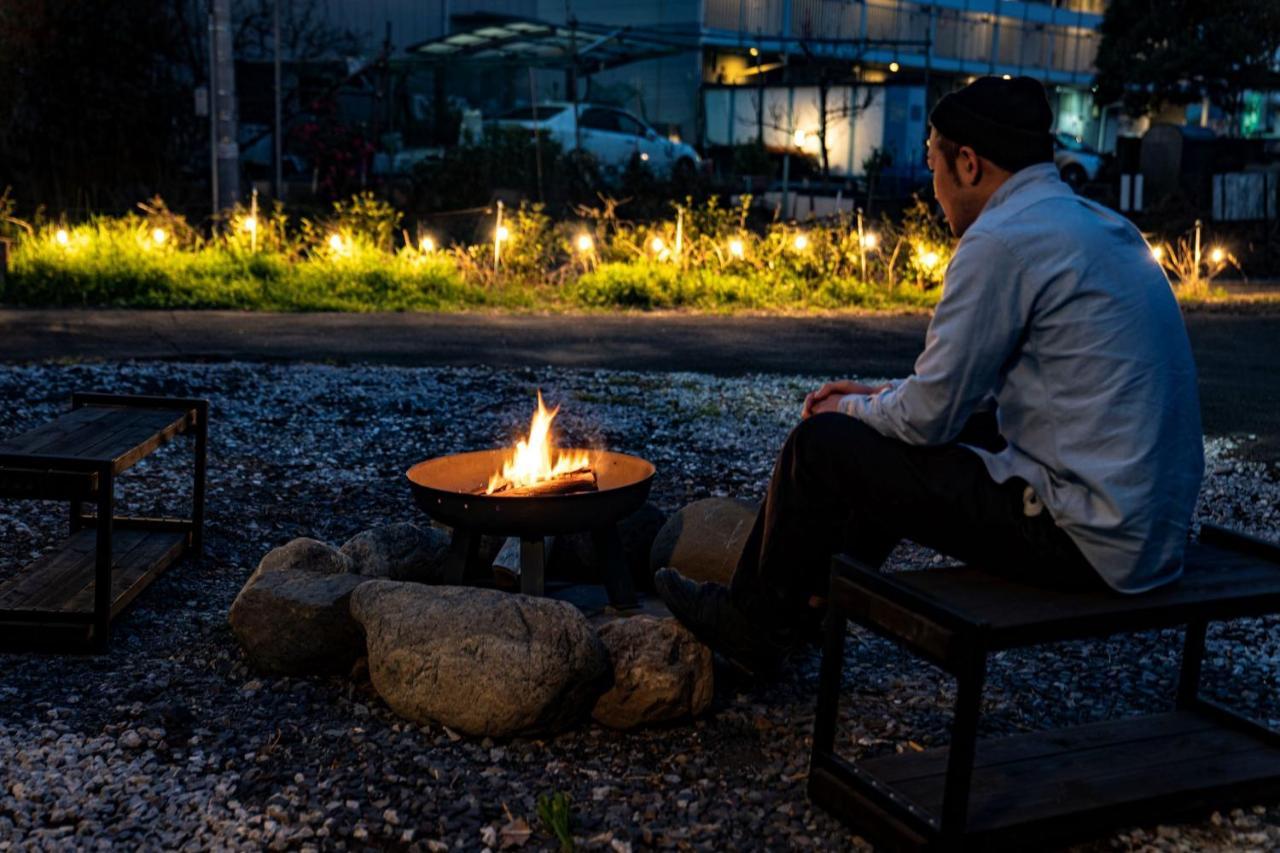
x=480 y=661
x=660 y=673
x=305 y=555
x=293 y=616
x=704 y=539
x=400 y=552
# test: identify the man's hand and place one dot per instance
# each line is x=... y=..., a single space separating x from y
x=827 y=398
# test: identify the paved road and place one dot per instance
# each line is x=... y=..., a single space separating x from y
x=1238 y=354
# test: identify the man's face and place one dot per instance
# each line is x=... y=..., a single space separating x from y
x=947 y=186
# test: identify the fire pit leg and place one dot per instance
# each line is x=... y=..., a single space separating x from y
x=531 y=565
x=613 y=563
x=464 y=553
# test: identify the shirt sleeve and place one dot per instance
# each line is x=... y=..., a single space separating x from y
x=977 y=327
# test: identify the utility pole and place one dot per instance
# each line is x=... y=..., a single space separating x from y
x=277 y=190
x=223 y=94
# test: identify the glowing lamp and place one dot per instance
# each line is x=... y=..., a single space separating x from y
x=801 y=242
x=503 y=233
x=158 y=236
x=584 y=243
x=1157 y=252
x=737 y=249
x=1217 y=255
x=336 y=243
x=250 y=223
x=870 y=240
x=62 y=237
x=893 y=66
x=657 y=244
x=426 y=244
x=929 y=260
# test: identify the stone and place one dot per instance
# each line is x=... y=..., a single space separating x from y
x=293 y=615
x=306 y=555
x=401 y=552
x=704 y=539
x=660 y=673
x=479 y=661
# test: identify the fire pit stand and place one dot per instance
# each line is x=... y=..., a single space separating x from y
x=448 y=488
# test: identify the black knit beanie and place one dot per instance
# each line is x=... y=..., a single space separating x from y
x=1006 y=121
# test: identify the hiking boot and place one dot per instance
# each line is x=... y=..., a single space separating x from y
x=707 y=611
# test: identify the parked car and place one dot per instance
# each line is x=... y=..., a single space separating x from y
x=614 y=137
x=1077 y=162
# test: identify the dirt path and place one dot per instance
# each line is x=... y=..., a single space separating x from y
x=1238 y=354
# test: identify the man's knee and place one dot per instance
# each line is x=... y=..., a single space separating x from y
x=829 y=433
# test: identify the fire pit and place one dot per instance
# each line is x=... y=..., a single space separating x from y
x=533 y=491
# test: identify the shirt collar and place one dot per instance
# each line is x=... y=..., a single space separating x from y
x=1029 y=184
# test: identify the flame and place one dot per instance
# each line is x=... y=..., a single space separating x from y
x=535 y=459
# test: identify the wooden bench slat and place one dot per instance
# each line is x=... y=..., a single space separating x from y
x=61 y=585
x=905 y=767
x=48 y=583
x=101 y=434
x=1103 y=770
x=1217 y=583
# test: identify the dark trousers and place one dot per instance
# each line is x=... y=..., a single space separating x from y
x=839 y=485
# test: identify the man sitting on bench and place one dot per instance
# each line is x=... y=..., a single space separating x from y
x=1050 y=430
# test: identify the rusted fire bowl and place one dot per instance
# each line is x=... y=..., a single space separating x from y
x=445 y=489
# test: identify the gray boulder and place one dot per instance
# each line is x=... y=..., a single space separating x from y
x=704 y=539
x=293 y=615
x=660 y=673
x=401 y=552
x=480 y=661
x=305 y=555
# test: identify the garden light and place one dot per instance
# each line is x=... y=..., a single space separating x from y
x=869 y=240
x=158 y=236
x=755 y=51
x=426 y=244
x=1157 y=252
x=250 y=224
x=502 y=233
x=737 y=249
x=1007 y=76
x=584 y=243
x=1217 y=255
x=929 y=260
x=657 y=244
x=801 y=242
x=336 y=243
x=62 y=237
x=893 y=66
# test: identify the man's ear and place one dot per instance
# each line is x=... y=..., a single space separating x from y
x=969 y=166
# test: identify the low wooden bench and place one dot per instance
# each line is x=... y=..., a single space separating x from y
x=1030 y=791
x=67 y=599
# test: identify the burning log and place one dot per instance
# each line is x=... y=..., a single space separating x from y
x=568 y=483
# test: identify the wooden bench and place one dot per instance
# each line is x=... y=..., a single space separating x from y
x=1029 y=791
x=67 y=599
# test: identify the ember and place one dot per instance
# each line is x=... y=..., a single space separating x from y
x=535 y=467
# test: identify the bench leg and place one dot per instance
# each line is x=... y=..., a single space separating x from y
x=532 y=566
x=102 y=564
x=964 y=737
x=1192 y=658
x=198 y=479
x=824 y=720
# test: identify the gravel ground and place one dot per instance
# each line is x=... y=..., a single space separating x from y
x=168 y=741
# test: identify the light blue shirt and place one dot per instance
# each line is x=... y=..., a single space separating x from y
x=1053 y=306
